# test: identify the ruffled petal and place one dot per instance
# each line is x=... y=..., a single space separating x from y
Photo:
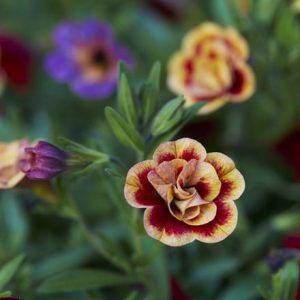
x=220 y=227
x=197 y=35
x=206 y=181
x=233 y=183
x=162 y=226
x=237 y=43
x=138 y=190
x=243 y=85
x=207 y=214
x=184 y=148
x=221 y=162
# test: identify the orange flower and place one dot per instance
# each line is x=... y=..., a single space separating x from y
x=211 y=66
x=188 y=194
x=11 y=153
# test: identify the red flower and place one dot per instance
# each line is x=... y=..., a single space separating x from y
x=15 y=61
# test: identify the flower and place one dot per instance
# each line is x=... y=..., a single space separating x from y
x=43 y=161
x=15 y=62
x=86 y=57
x=212 y=67
x=188 y=194
x=11 y=153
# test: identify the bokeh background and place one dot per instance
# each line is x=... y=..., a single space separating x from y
x=262 y=135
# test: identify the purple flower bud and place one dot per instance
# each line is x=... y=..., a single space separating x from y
x=278 y=258
x=43 y=161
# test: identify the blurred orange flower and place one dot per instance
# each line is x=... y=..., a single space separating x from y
x=11 y=153
x=211 y=66
x=188 y=194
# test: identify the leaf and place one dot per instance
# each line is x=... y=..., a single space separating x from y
x=149 y=99
x=9 y=269
x=265 y=9
x=84 y=279
x=126 y=101
x=127 y=135
x=284 y=283
x=222 y=10
x=165 y=115
x=154 y=76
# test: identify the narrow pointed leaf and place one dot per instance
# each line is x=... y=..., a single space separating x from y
x=154 y=76
x=9 y=269
x=125 y=133
x=126 y=101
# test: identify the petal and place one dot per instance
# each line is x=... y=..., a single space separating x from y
x=61 y=67
x=233 y=186
x=206 y=181
x=138 y=190
x=221 y=226
x=243 y=82
x=221 y=162
x=233 y=183
x=164 y=189
x=125 y=55
x=213 y=105
x=207 y=214
x=162 y=226
x=184 y=148
x=10 y=173
x=177 y=72
x=169 y=171
x=237 y=43
x=197 y=35
x=94 y=90
x=66 y=35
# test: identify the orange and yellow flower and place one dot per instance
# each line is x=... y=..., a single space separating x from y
x=212 y=66
x=188 y=194
x=11 y=153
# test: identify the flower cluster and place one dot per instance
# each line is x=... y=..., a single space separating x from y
x=86 y=57
x=212 y=67
x=188 y=194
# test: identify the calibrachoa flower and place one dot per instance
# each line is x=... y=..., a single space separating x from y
x=86 y=57
x=211 y=66
x=43 y=161
x=188 y=194
x=11 y=153
x=15 y=62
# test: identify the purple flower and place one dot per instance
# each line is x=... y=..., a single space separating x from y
x=86 y=57
x=43 y=161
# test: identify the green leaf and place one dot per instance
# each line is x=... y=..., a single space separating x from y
x=284 y=283
x=165 y=116
x=84 y=279
x=127 y=135
x=154 y=76
x=265 y=9
x=126 y=101
x=149 y=99
x=222 y=10
x=9 y=269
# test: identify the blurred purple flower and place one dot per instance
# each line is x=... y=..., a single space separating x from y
x=43 y=161
x=86 y=57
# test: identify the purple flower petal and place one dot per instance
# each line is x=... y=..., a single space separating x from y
x=66 y=35
x=61 y=67
x=94 y=30
x=94 y=90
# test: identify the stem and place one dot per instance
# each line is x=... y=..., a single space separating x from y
x=97 y=243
